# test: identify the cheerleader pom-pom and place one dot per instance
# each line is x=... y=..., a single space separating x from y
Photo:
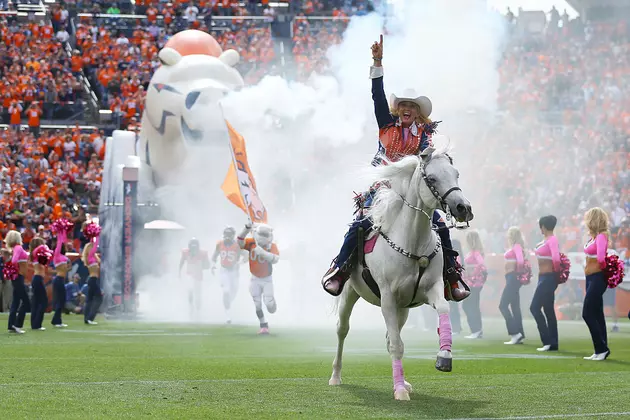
x=525 y=275
x=42 y=254
x=478 y=276
x=565 y=269
x=614 y=271
x=61 y=226
x=10 y=271
x=91 y=231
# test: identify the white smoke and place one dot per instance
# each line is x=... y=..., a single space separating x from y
x=310 y=144
x=445 y=50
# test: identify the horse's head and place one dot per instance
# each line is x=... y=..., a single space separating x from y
x=439 y=184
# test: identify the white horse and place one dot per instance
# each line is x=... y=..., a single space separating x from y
x=406 y=262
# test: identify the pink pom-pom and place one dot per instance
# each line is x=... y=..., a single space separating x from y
x=478 y=276
x=614 y=271
x=42 y=254
x=61 y=226
x=565 y=269
x=10 y=271
x=91 y=231
x=525 y=275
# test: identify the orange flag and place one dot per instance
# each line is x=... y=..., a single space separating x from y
x=239 y=185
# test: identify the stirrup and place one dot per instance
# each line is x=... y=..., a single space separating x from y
x=333 y=273
x=448 y=290
x=327 y=282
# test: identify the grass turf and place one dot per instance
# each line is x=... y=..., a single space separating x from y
x=133 y=370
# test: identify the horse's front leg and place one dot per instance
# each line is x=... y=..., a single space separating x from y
x=347 y=301
x=396 y=347
x=436 y=299
x=403 y=314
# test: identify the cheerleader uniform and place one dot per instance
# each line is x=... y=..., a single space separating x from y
x=510 y=304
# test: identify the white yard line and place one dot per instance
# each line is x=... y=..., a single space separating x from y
x=324 y=379
x=183 y=381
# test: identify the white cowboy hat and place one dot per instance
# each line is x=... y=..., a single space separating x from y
x=410 y=95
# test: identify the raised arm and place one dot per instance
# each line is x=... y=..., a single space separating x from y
x=91 y=255
x=241 y=237
x=381 y=107
x=602 y=249
x=62 y=237
x=555 y=253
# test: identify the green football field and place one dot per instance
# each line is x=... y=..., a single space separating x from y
x=134 y=370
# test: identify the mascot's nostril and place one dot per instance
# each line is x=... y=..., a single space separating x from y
x=462 y=209
x=191 y=98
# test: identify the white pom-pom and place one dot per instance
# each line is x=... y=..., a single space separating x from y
x=169 y=56
x=230 y=57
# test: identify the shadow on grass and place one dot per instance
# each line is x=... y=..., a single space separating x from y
x=420 y=406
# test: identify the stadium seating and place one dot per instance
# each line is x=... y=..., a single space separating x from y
x=563 y=103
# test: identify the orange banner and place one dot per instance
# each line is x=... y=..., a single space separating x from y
x=239 y=185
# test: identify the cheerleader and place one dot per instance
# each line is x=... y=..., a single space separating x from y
x=92 y=261
x=476 y=275
x=15 y=270
x=548 y=256
x=61 y=228
x=596 y=222
x=40 y=257
x=510 y=305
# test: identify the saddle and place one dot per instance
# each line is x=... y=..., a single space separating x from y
x=366 y=246
x=366 y=240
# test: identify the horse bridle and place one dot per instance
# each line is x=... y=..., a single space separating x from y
x=441 y=199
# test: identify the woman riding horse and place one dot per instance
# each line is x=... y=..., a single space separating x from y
x=404 y=130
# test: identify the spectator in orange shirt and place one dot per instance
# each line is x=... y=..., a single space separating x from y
x=34 y=114
x=15 y=110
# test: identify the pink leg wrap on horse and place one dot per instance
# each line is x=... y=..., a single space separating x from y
x=399 y=376
x=446 y=335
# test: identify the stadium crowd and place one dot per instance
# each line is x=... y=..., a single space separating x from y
x=563 y=138
x=563 y=96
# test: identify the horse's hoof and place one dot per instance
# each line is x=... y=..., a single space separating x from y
x=444 y=364
x=401 y=395
x=408 y=387
x=334 y=381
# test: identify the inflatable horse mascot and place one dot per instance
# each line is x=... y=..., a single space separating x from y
x=182 y=112
x=182 y=151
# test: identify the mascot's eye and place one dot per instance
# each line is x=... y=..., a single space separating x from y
x=191 y=98
x=431 y=179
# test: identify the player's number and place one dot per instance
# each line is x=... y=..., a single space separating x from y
x=229 y=256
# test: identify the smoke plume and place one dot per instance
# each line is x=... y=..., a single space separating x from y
x=309 y=144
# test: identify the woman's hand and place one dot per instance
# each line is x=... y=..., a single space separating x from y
x=377 y=52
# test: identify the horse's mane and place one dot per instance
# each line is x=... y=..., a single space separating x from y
x=387 y=200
